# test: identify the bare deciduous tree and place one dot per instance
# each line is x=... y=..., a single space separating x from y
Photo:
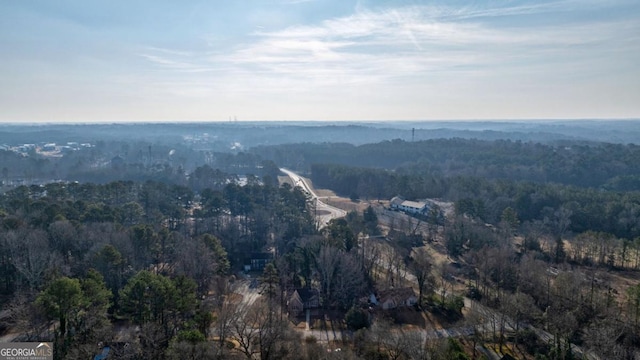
x=340 y=276
x=30 y=255
x=422 y=266
x=397 y=343
x=371 y=254
x=259 y=332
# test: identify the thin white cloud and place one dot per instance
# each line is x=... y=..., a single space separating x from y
x=296 y=1
x=491 y=10
x=178 y=61
x=427 y=59
x=408 y=49
x=181 y=53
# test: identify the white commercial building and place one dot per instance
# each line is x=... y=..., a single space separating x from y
x=413 y=207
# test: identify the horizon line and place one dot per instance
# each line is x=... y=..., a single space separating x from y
x=236 y=121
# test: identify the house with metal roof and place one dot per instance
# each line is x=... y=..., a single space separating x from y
x=411 y=207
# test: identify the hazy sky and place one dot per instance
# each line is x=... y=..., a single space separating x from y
x=158 y=60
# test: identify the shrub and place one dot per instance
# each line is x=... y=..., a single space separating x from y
x=357 y=318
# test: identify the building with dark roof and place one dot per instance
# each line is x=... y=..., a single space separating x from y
x=303 y=299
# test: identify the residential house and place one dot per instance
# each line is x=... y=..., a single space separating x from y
x=394 y=298
x=303 y=299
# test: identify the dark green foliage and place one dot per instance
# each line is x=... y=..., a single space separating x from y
x=585 y=165
x=371 y=221
x=356 y=318
x=486 y=199
x=485 y=178
x=471 y=207
x=270 y=281
x=356 y=222
x=340 y=234
x=97 y=295
x=191 y=336
x=532 y=343
x=145 y=297
x=110 y=263
x=450 y=308
x=221 y=258
x=62 y=300
x=510 y=217
x=455 y=351
x=80 y=306
x=453 y=305
x=148 y=297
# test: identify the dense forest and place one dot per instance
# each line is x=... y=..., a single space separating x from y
x=614 y=212
x=138 y=251
x=145 y=247
x=600 y=165
x=596 y=184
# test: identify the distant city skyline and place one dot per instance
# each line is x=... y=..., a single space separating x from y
x=84 y=61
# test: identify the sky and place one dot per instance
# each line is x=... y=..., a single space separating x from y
x=159 y=60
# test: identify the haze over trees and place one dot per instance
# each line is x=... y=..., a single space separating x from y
x=543 y=238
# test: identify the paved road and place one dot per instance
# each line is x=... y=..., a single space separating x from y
x=324 y=212
x=249 y=293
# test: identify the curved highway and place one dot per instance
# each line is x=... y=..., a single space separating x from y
x=324 y=212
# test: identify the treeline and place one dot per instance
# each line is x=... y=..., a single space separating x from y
x=134 y=161
x=589 y=209
x=600 y=165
